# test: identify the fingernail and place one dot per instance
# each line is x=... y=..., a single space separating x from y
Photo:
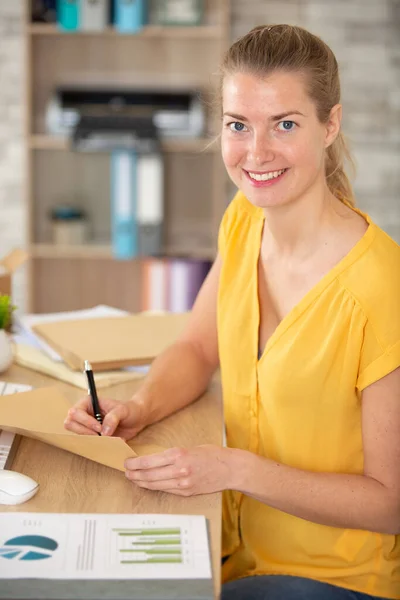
x=106 y=430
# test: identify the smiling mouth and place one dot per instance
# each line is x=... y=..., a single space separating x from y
x=265 y=176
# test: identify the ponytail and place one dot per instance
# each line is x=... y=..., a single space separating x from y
x=336 y=178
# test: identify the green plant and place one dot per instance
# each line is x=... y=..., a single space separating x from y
x=6 y=311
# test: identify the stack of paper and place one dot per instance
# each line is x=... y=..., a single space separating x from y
x=125 y=556
x=31 y=350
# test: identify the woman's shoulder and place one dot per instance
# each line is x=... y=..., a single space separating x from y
x=238 y=218
x=373 y=279
x=378 y=263
x=240 y=207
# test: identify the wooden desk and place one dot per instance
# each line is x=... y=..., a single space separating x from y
x=69 y=483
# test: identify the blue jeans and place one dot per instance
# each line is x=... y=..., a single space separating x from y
x=286 y=587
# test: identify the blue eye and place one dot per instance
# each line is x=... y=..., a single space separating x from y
x=236 y=126
x=286 y=125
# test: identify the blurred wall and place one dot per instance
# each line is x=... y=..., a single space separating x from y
x=12 y=163
x=364 y=34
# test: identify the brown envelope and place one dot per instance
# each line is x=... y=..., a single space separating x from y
x=112 y=342
x=40 y=414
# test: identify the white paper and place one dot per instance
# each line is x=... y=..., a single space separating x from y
x=6 y=437
x=103 y=546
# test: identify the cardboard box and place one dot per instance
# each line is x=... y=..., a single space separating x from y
x=8 y=265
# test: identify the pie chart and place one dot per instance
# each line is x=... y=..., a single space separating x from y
x=28 y=547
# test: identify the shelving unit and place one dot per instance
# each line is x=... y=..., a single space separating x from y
x=150 y=31
x=49 y=142
x=72 y=277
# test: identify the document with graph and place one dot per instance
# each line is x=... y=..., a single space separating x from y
x=103 y=546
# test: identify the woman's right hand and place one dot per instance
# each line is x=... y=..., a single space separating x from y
x=120 y=419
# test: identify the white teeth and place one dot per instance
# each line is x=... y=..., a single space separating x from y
x=266 y=176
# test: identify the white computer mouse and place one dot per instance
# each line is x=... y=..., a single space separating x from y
x=16 y=488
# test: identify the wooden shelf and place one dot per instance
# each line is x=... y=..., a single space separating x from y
x=149 y=31
x=84 y=251
x=49 y=142
x=195 y=195
x=95 y=251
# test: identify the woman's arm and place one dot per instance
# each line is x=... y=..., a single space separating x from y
x=177 y=377
x=370 y=501
x=182 y=373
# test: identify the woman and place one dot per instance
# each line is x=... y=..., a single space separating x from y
x=301 y=312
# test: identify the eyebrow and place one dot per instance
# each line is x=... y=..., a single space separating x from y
x=274 y=118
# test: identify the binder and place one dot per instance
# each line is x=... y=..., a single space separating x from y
x=178 y=285
x=123 y=204
x=129 y=15
x=94 y=15
x=154 y=284
x=150 y=203
x=68 y=14
x=186 y=277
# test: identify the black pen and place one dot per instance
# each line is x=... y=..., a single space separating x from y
x=92 y=392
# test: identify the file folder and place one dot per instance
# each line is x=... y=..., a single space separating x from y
x=150 y=204
x=68 y=14
x=129 y=15
x=94 y=14
x=154 y=284
x=113 y=342
x=186 y=276
x=123 y=204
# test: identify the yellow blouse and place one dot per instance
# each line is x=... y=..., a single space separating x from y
x=299 y=403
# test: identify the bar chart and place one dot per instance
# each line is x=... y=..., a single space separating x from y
x=162 y=545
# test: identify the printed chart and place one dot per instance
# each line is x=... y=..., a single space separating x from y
x=162 y=545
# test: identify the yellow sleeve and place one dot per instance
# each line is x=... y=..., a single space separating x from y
x=377 y=359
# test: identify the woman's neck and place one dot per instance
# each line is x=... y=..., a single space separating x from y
x=299 y=228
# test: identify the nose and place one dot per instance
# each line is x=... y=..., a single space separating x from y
x=261 y=151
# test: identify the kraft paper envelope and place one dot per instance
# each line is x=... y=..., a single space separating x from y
x=40 y=414
x=112 y=342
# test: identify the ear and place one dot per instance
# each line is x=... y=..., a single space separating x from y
x=333 y=124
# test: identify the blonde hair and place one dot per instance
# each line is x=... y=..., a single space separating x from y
x=288 y=48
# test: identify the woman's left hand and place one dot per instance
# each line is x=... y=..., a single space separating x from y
x=183 y=471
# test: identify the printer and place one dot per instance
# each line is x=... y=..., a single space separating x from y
x=105 y=118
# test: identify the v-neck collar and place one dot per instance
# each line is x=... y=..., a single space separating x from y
x=354 y=253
